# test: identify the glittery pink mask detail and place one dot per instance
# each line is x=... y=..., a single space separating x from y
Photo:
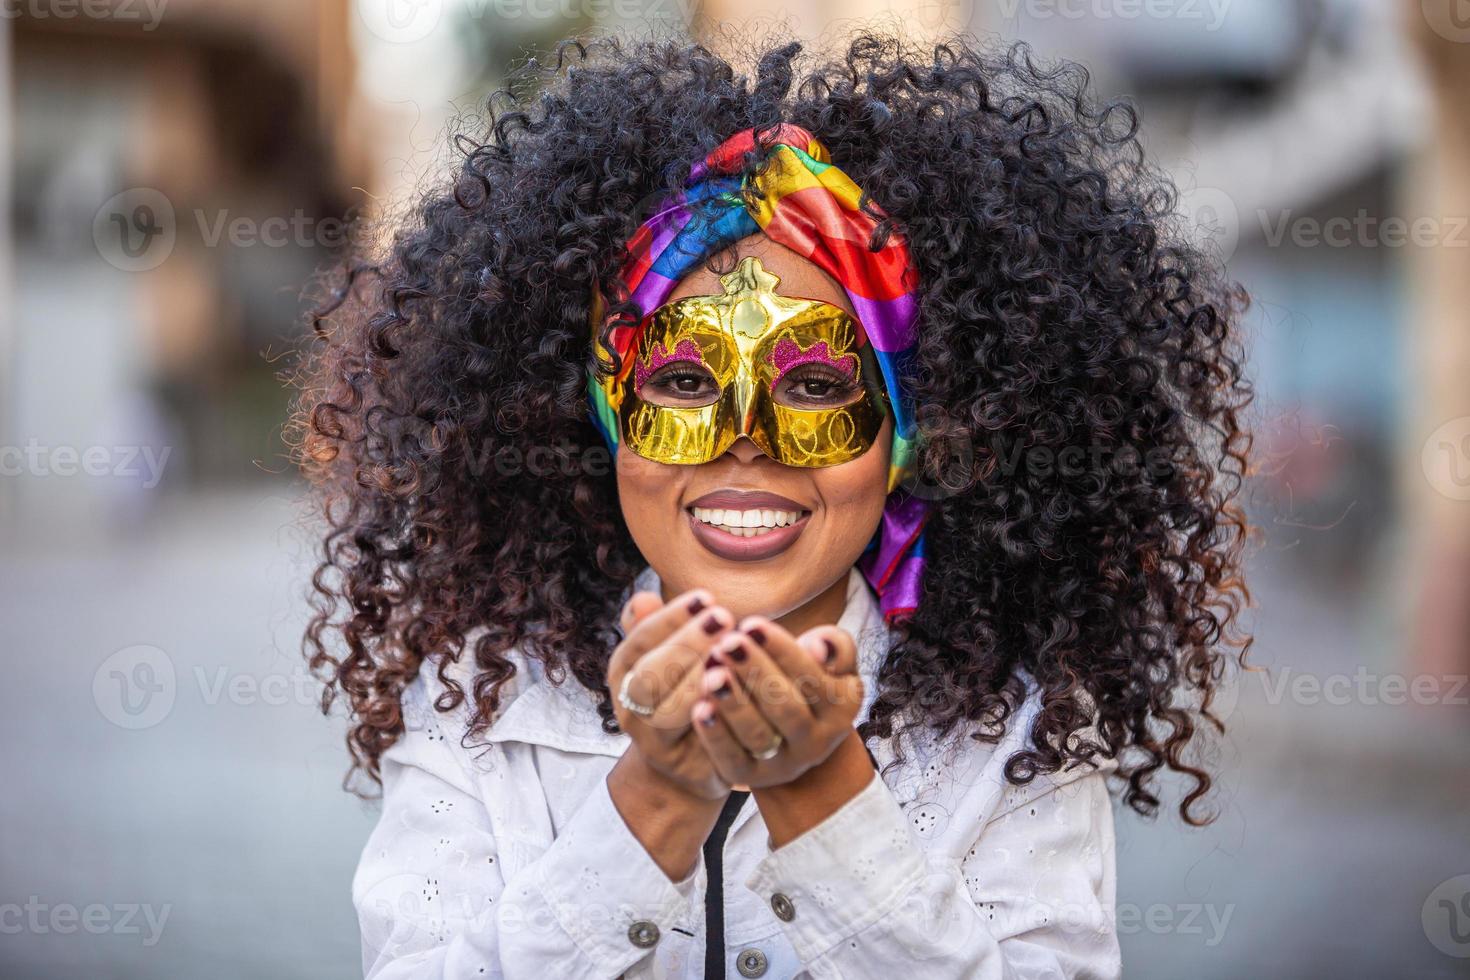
x=684 y=350
x=787 y=355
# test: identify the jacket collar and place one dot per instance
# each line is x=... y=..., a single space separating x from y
x=563 y=715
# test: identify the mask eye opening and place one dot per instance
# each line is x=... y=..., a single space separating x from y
x=679 y=383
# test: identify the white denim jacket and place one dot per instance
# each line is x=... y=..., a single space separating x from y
x=508 y=858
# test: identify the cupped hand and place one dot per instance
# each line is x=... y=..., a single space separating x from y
x=662 y=655
x=775 y=705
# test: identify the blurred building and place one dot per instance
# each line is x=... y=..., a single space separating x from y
x=1434 y=460
x=1289 y=128
x=174 y=184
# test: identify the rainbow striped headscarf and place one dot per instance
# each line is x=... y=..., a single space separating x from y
x=811 y=207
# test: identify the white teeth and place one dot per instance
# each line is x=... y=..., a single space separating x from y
x=746 y=523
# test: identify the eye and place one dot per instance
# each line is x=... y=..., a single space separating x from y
x=816 y=386
x=680 y=384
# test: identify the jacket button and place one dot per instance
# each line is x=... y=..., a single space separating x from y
x=643 y=934
x=751 y=963
x=781 y=905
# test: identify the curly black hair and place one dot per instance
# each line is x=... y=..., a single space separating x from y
x=1078 y=380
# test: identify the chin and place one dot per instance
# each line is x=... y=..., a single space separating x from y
x=770 y=593
x=750 y=591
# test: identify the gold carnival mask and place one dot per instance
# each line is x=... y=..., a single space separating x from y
x=790 y=373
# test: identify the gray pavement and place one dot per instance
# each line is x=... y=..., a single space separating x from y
x=168 y=780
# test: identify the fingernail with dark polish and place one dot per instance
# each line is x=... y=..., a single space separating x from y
x=712 y=662
x=708 y=721
x=713 y=625
x=831 y=649
x=757 y=634
x=737 y=654
x=696 y=606
x=723 y=691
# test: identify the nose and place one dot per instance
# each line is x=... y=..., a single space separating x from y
x=745 y=450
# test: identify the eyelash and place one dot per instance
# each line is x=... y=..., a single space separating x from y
x=814 y=372
x=841 y=384
x=670 y=377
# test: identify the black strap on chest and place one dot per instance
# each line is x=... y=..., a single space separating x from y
x=714 y=896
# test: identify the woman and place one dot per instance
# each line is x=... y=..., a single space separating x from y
x=900 y=522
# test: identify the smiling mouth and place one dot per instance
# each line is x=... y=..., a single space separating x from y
x=745 y=525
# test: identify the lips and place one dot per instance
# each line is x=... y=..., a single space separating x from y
x=746 y=525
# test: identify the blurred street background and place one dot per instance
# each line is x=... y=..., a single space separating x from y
x=177 y=169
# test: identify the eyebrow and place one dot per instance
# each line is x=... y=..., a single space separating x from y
x=788 y=354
